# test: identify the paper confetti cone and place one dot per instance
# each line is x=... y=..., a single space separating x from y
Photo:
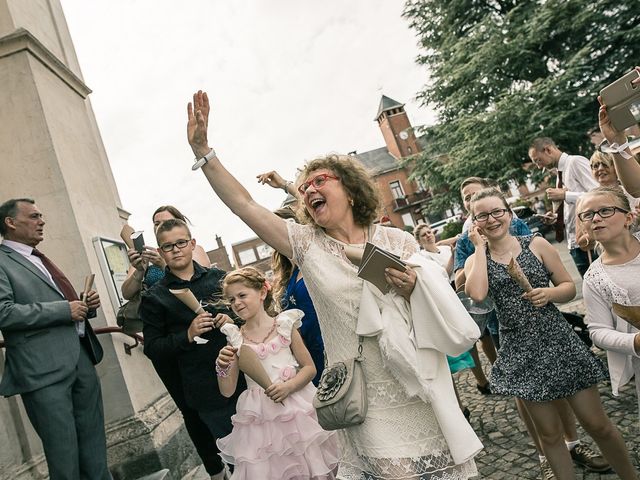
x=630 y=313
x=515 y=271
x=187 y=297
x=125 y=235
x=250 y=365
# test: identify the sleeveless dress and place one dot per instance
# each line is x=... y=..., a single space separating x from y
x=273 y=441
x=297 y=296
x=400 y=437
x=540 y=358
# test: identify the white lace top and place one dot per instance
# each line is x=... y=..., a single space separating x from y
x=603 y=285
x=400 y=438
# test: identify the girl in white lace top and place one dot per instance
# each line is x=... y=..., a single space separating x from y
x=612 y=278
x=410 y=432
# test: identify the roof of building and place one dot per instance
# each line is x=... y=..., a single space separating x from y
x=378 y=160
x=387 y=103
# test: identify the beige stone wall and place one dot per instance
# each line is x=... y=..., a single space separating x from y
x=51 y=150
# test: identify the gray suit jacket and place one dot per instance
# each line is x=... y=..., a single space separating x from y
x=42 y=344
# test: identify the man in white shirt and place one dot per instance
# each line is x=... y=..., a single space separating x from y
x=576 y=178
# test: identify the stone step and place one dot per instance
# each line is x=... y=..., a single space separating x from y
x=163 y=474
x=198 y=473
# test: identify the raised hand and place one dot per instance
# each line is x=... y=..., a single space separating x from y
x=136 y=260
x=197 y=124
x=272 y=178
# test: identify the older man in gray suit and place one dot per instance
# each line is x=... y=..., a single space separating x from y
x=51 y=349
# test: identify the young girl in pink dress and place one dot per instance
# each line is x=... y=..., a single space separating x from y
x=275 y=434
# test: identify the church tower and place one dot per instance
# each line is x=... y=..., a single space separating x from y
x=396 y=128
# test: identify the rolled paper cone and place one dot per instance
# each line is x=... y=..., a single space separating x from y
x=88 y=284
x=187 y=297
x=630 y=313
x=515 y=271
x=249 y=364
x=125 y=235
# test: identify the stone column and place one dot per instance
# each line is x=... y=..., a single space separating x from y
x=51 y=150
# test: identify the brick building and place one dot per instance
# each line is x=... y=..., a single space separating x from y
x=219 y=256
x=402 y=199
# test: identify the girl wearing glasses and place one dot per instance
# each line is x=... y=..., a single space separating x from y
x=541 y=359
x=612 y=278
x=404 y=435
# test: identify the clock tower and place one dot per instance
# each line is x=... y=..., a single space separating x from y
x=396 y=128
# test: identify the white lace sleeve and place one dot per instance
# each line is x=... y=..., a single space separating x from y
x=232 y=332
x=287 y=321
x=602 y=322
x=300 y=237
x=397 y=241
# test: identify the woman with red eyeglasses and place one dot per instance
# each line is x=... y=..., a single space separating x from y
x=413 y=428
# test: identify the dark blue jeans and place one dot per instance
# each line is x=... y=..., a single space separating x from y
x=581 y=259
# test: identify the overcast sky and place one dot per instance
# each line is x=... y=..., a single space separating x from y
x=288 y=80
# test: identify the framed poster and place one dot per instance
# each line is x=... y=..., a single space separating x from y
x=114 y=263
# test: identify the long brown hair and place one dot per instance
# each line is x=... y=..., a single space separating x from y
x=282 y=267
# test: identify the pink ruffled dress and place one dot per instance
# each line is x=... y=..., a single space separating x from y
x=274 y=441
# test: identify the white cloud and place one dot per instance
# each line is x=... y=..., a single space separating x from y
x=288 y=80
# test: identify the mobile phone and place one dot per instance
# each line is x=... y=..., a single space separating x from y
x=622 y=99
x=138 y=241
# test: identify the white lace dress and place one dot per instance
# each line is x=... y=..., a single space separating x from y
x=400 y=438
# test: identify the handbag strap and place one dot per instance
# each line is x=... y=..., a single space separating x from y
x=359 y=357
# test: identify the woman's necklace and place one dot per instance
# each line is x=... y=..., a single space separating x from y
x=500 y=255
x=266 y=337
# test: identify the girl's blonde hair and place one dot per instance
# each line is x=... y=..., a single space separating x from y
x=615 y=193
x=252 y=278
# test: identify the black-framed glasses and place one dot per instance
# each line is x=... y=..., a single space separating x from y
x=484 y=216
x=604 y=212
x=167 y=247
x=318 y=182
x=597 y=165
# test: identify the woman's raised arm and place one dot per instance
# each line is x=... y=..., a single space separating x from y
x=268 y=226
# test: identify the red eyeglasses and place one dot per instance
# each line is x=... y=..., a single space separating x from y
x=318 y=182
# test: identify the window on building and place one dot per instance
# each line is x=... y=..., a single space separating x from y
x=264 y=251
x=396 y=189
x=407 y=219
x=247 y=256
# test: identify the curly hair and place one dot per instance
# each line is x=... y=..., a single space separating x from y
x=355 y=179
x=251 y=278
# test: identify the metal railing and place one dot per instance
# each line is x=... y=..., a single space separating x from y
x=139 y=339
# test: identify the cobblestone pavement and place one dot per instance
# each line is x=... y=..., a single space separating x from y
x=509 y=452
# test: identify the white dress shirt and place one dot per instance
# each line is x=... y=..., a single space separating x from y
x=577 y=179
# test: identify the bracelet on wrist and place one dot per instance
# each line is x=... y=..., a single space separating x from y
x=222 y=372
x=199 y=162
x=286 y=185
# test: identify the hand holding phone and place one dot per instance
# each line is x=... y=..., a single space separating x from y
x=622 y=99
x=138 y=241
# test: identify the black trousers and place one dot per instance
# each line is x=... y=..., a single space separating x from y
x=201 y=435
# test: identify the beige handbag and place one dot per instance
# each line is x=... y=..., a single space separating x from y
x=341 y=398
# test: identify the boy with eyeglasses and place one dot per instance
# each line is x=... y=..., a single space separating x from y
x=170 y=332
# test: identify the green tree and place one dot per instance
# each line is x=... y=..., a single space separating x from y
x=501 y=72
